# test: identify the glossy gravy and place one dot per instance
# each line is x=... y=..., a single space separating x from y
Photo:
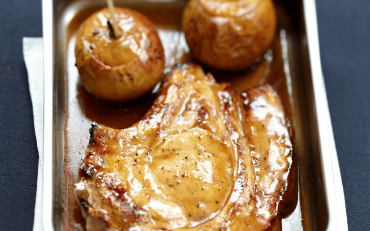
x=82 y=107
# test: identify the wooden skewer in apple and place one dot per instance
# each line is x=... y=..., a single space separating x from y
x=122 y=65
x=116 y=31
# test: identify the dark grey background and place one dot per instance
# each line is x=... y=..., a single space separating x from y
x=344 y=30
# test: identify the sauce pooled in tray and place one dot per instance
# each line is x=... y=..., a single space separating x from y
x=83 y=108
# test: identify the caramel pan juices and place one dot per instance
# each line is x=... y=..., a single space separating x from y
x=82 y=108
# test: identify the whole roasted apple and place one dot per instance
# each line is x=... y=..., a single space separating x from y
x=229 y=34
x=120 y=68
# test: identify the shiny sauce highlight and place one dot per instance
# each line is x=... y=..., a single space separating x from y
x=82 y=107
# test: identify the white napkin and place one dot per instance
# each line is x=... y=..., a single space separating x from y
x=33 y=57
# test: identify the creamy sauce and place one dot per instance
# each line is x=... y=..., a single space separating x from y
x=83 y=107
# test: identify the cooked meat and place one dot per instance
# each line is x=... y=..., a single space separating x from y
x=271 y=149
x=185 y=165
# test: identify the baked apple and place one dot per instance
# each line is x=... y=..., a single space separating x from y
x=123 y=68
x=229 y=34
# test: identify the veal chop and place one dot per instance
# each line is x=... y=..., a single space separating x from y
x=186 y=165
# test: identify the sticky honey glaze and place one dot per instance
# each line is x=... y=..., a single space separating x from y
x=271 y=148
x=83 y=108
x=152 y=164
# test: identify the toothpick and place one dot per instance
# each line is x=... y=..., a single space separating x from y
x=117 y=32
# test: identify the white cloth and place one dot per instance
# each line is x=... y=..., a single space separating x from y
x=33 y=57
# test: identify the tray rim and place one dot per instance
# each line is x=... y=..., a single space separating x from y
x=331 y=172
x=47 y=190
x=337 y=218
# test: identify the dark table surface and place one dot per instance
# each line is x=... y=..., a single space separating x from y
x=344 y=32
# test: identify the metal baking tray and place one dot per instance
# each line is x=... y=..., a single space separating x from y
x=320 y=199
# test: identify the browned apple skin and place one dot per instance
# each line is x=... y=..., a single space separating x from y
x=227 y=36
x=130 y=66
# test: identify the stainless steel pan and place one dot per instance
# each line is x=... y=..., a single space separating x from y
x=321 y=200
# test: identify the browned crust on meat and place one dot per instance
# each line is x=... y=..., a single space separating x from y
x=108 y=201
